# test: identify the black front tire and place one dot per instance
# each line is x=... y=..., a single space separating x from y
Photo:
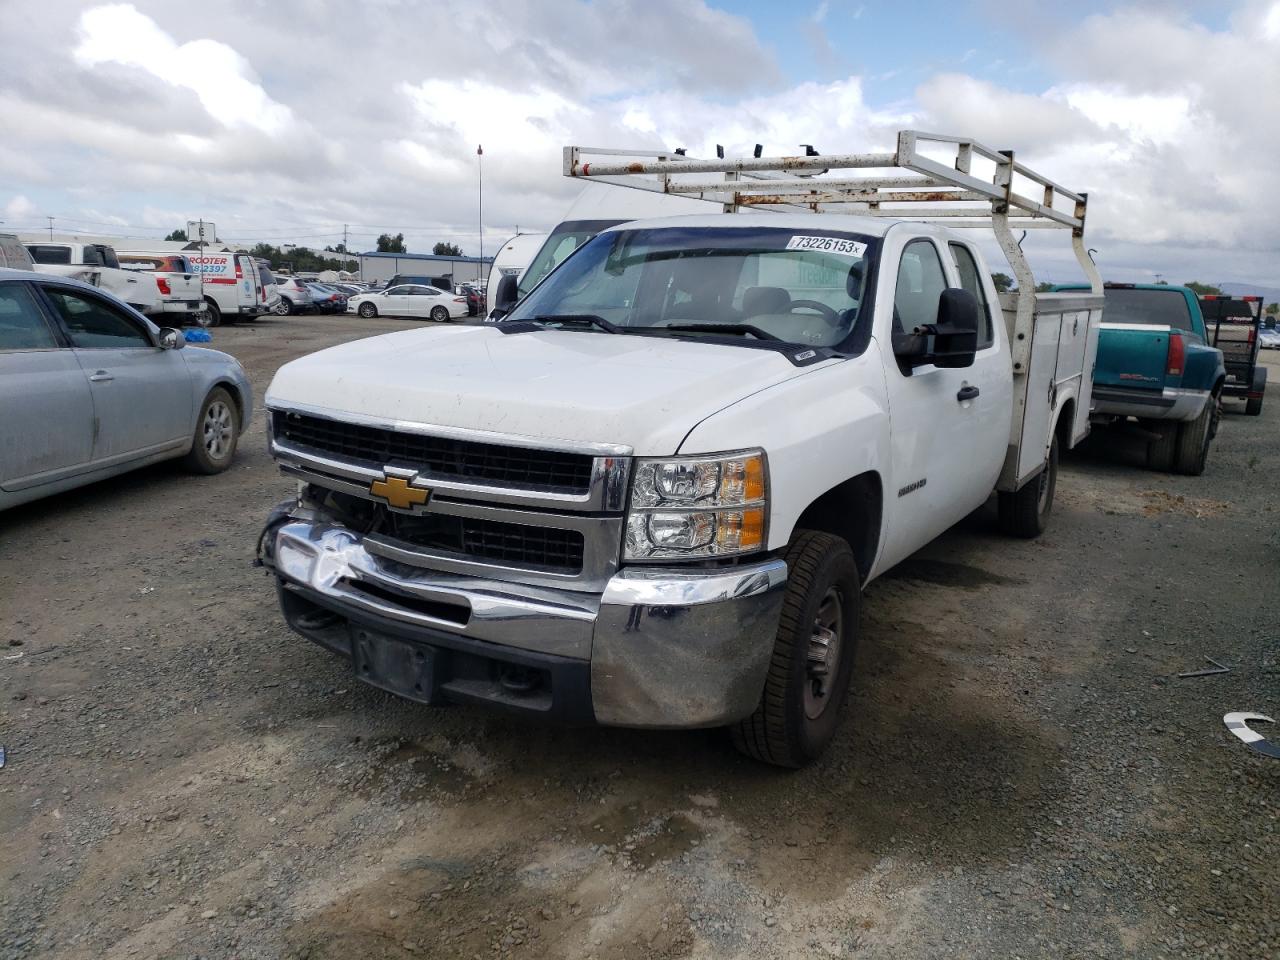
x=367 y=310
x=783 y=730
x=213 y=444
x=1025 y=513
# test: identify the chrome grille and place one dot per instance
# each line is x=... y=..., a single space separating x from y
x=439 y=457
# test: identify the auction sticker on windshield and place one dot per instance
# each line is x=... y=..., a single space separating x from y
x=848 y=248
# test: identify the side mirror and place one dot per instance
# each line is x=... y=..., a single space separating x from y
x=171 y=339
x=954 y=336
x=508 y=294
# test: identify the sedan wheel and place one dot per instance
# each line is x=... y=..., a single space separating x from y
x=217 y=431
x=439 y=314
x=367 y=310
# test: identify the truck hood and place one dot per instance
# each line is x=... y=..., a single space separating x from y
x=641 y=392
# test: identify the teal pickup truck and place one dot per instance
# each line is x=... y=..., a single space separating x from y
x=1155 y=365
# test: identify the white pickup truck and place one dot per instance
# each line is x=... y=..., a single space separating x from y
x=653 y=494
x=97 y=264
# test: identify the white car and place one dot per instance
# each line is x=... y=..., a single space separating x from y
x=409 y=300
x=1269 y=339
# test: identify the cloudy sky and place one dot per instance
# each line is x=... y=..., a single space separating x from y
x=281 y=120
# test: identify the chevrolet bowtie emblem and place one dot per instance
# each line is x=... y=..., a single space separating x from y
x=398 y=493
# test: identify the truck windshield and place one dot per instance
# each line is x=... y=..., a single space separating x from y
x=1167 y=308
x=765 y=282
x=564 y=239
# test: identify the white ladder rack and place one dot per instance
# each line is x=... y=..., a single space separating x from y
x=944 y=192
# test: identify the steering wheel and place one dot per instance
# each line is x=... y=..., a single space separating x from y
x=828 y=314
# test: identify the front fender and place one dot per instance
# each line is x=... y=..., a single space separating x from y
x=817 y=430
x=212 y=368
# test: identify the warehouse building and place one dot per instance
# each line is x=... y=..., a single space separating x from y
x=380 y=267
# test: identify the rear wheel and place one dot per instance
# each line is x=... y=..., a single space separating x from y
x=217 y=430
x=1160 y=452
x=284 y=307
x=1025 y=512
x=367 y=310
x=813 y=651
x=1194 y=439
x=439 y=314
x=212 y=315
x=1253 y=406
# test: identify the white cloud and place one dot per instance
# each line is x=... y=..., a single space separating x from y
x=19 y=208
x=220 y=78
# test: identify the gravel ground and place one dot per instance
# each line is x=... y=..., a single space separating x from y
x=1020 y=773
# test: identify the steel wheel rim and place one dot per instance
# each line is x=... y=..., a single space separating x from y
x=822 y=663
x=218 y=430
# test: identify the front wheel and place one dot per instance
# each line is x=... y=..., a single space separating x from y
x=439 y=314
x=1025 y=513
x=813 y=651
x=216 y=434
x=367 y=310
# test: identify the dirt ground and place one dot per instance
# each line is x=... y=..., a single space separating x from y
x=1021 y=773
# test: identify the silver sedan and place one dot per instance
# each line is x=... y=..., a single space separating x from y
x=90 y=388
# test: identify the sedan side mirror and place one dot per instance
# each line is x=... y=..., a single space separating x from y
x=171 y=339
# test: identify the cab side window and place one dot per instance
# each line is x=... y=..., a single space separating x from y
x=920 y=285
x=22 y=326
x=95 y=324
x=971 y=280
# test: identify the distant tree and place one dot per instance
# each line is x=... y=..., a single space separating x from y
x=1003 y=282
x=178 y=235
x=298 y=258
x=1273 y=308
x=1044 y=287
x=390 y=244
x=443 y=249
x=340 y=248
x=1203 y=289
x=1162 y=283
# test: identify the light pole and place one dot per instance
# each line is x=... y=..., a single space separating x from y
x=480 y=177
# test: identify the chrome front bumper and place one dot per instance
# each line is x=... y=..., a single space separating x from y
x=664 y=647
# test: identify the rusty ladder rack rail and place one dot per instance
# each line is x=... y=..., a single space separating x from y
x=947 y=193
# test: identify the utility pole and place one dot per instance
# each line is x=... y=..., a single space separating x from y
x=480 y=175
x=51 y=228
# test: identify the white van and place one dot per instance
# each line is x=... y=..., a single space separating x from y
x=514 y=257
x=95 y=263
x=236 y=287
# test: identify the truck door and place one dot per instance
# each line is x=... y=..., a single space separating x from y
x=948 y=435
x=141 y=394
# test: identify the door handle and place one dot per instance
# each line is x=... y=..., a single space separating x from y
x=100 y=377
x=967 y=393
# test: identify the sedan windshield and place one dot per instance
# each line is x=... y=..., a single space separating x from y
x=762 y=282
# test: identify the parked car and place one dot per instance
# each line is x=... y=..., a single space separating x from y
x=327 y=298
x=1232 y=325
x=98 y=265
x=653 y=495
x=295 y=296
x=474 y=297
x=1155 y=366
x=91 y=388
x=409 y=300
x=181 y=296
x=13 y=254
x=1269 y=339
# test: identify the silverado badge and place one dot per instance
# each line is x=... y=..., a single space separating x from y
x=398 y=493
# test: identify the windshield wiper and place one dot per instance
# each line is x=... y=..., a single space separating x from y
x=721 y=328
x=589 y=319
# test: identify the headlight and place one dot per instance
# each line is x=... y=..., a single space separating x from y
x=697 y=507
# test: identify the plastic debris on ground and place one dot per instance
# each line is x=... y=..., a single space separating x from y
x=197 y=335
x=1237 y=723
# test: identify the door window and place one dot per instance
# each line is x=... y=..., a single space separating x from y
x=22 y=326
x=94 y=324
x=971 y=280
x=920 y=285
